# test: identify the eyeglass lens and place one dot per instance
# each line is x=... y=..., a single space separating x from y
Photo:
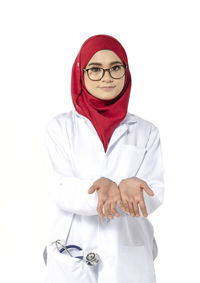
x=116 y=72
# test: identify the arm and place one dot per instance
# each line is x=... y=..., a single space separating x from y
x=152 y=172
x=67 y=191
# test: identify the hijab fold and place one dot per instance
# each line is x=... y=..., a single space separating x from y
x=105 y=115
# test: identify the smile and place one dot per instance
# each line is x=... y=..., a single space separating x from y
x=108 y=88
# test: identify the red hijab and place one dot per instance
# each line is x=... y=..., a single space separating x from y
x=105 y=115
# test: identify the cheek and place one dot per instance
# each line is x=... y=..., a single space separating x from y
x=87 y=82
x=121 y=84
x=90 y=86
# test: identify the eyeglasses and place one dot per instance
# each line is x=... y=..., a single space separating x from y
x=96 y=73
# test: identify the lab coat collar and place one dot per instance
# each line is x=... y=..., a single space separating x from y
x=129 y=118
x=118 y=132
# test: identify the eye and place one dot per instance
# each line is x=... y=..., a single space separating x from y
x=116 y=68
x=95 y=69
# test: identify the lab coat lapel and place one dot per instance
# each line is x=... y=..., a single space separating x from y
x=119 y=130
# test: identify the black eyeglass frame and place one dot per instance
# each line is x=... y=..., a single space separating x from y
x=104 y=70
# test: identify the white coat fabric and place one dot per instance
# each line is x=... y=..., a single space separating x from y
x=74 y=159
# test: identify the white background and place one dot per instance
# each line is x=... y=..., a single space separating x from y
x=39 y=42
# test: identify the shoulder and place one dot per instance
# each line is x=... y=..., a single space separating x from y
x=145 y=130
x=59 y=121
x=141 y=122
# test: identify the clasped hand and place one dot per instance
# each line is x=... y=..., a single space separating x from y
x=128 y=195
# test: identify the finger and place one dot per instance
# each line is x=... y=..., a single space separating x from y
x=147 y=189
x=131 y=209
x=91 y=189
x=100 y=209
x=125 y=203
x=120 y=204
x=107 y=210
x=113 y=209
x=136 y=210
x=143 y=206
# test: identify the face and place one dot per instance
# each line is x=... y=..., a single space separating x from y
x=107 y=87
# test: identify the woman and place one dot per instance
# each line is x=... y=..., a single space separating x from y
x=104 y=172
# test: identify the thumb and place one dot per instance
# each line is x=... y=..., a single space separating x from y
x=91 y=190
x=148 y=190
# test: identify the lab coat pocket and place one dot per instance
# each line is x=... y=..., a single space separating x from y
x=63 y=268
x=129 y=160
x=129 y=264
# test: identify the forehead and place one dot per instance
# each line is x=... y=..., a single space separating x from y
x=105 y=56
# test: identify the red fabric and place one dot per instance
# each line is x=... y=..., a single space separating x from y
x=105 y=115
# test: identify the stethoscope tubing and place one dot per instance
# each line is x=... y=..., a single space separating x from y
x=71 y=246
x=91 y=258
x=65 y=248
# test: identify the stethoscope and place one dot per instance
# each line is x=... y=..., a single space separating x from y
x=91 y=259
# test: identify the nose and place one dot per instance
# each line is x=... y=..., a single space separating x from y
x=107 y=76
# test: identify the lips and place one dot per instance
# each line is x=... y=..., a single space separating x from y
x=107 y=86
x=107 y=89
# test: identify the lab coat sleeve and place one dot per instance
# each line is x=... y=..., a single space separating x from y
x=66 y=190
x=152 y=171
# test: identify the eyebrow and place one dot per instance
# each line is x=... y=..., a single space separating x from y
x=99 y=64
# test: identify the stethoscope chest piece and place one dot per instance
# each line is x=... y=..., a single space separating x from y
x=92 y=259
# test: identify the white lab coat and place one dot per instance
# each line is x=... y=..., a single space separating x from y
x=74 y=159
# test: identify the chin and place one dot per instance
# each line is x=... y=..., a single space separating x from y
x=107 y=97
